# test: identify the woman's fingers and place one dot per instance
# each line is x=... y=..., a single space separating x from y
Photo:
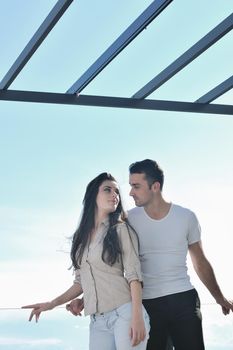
x=137 y=336
x=37 y=309
x=35 y=312
x=32 y=306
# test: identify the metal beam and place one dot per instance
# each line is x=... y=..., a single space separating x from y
x=119 y=44
x=217 y=91
x=117 y=102
x=50 y=21
x=197 y=49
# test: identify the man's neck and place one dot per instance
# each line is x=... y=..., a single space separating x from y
x=157 y=209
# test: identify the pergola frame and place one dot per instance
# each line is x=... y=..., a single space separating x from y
x=138 y=100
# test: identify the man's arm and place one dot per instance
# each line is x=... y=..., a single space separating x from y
x=206 y=274
x=74 y=291
x=76 y=306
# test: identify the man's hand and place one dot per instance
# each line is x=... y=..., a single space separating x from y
x=75 y=307
x=227 y=305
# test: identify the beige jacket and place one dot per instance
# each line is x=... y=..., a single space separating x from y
x=106 y=287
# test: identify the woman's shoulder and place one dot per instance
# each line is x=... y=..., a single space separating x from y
x=123 y=227
x=123 y=224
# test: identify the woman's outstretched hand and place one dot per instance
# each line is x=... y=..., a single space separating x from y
x=37 y=309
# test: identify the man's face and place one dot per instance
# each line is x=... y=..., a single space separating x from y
x=140 y=190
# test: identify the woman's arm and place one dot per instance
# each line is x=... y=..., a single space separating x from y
x=132 y=272
x=137 y=329
x=74 y=291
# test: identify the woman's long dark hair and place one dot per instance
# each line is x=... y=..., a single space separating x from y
x=111 y=245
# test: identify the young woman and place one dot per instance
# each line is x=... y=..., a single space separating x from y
x=104 y=254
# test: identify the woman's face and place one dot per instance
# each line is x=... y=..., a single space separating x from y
x=108 y=198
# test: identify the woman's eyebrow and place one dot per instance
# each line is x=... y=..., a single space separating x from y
x=110 y=187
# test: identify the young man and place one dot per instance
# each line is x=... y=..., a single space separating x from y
x=166 y=233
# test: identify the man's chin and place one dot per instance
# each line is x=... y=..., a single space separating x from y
x=138 y=204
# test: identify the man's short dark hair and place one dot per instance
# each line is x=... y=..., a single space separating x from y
x=151 y=169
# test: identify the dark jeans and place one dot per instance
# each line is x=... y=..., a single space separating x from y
x=177 y=316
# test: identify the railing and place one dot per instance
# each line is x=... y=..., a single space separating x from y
x=59 y=330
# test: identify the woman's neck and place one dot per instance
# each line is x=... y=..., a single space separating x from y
x=99 y=218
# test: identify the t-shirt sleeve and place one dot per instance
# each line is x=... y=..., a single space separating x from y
x=130 y=255
x=194 y=232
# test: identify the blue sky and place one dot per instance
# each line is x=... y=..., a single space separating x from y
x=50 y=152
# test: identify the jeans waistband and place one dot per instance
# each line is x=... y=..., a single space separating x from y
x=104 y=314
x=107 y=313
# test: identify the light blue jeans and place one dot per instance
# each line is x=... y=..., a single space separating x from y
x=110 y=330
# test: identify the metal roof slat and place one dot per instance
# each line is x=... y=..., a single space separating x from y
x=117 y=102
x=146 y=17
x=44 y=29
x=197 y=49
x=217 y=91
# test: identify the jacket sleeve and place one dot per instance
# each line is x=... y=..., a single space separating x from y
x=77 y=277
x=130 y=255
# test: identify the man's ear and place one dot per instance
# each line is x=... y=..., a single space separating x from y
x=156 y=186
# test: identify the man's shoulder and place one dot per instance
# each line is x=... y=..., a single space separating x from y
x=136 y=215
x=134 y=211
x=180 y=210
x=175 y=207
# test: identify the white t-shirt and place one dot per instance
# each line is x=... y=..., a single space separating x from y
x=163 y=249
